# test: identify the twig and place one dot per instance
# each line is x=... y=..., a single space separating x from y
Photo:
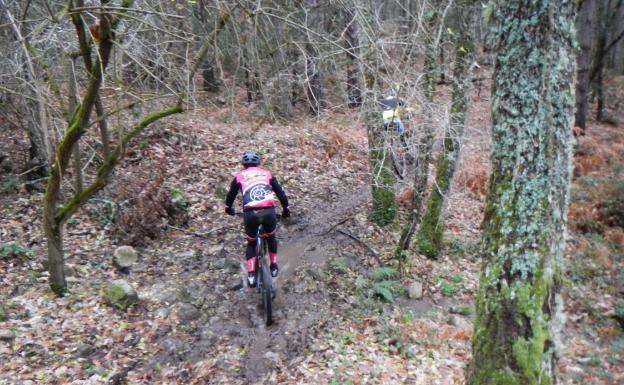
x=202 y=235
x=336 y=225
x=373 y=252
x=29 y=171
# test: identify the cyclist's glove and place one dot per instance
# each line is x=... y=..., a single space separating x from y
x=285 y=212
x=229 y=210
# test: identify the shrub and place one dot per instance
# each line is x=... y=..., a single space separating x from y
x=14 y=250
x=383 y=273
x=611 y=209
x=145 y=208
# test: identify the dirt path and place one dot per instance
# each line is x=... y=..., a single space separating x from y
x=305 y=246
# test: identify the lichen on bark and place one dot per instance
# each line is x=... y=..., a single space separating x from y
x=516 y=331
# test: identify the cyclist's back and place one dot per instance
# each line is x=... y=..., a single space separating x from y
x=258 y=188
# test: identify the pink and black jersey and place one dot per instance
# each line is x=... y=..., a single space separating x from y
x=258 y=188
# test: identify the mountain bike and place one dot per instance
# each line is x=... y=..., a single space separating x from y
x=264 y=280
x=398 y=149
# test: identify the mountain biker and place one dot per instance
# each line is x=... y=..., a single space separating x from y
x=391 y=113
x=257 y=186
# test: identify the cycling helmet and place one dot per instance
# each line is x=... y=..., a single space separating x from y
x=250 y=158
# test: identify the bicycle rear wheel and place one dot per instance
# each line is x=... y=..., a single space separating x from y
x=267 y=292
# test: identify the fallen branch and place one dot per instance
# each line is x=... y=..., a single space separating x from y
x=336 y=225
x=373 y=252
x=197 y=234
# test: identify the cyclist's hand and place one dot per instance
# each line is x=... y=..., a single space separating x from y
x=285 y=212
x=229 y=211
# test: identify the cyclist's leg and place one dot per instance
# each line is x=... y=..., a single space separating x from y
x=269 y=225
x=251 y=221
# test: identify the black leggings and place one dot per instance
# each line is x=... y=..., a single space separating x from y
x=253 y=219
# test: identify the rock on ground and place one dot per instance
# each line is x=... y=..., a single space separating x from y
x=124 y=257
x=121 y=294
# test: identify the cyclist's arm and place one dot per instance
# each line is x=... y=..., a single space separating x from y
x=231 y=195
x=279 y=191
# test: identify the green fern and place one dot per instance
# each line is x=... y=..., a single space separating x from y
x=383 y=273
x=384 y=291
x=339 y=265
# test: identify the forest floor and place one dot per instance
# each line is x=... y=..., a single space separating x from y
x=195 y=325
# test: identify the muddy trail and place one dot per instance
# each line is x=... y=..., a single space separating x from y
x=218 y=318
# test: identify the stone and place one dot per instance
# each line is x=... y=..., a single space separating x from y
x=462 y=309
x=459 y=322
x=163 y=313
x=187 y=312
x=7 y=335
x=124 y=257
x=121 y=294
x=273 y=360
x=84 y=350
x=7 y=165
x=415 y=290
x=60 y=371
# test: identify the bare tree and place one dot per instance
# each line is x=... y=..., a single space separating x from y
x=429 y=236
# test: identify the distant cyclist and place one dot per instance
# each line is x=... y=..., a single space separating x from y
x=391 y=113
x=257 y=186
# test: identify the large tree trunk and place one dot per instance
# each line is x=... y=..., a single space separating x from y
x=429 y=236
x=516 y=332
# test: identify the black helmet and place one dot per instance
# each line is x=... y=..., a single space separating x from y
x=250 y=158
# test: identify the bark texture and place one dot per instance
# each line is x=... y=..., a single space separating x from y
x=429 y=236
x=585 y=29
x=516 y=332
x=421 y=169
x=384 y=207
x=353 y=70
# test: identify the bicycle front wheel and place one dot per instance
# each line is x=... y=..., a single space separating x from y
x=267 y=296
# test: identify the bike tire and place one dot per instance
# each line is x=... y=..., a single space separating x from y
x=267 y=295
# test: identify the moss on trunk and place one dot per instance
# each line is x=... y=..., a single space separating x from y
x=429 y=237
x=517 y=326
x=384 y=206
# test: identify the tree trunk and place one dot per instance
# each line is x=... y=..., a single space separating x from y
x=585 y=30
x=76 y=128
x=73 y=103
x=354 y=93
x=429 y=236
x=599 y=59
x=315 y=88
x=421 y=169
x=56 y=260
x=384 y=207
x=210 y=83
x=517 y=330
x=40 y=152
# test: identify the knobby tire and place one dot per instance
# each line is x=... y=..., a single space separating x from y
x=266 y=288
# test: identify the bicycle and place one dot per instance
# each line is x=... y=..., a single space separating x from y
x=398 y=149
x=264 y=280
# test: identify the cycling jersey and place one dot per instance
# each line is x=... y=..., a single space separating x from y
x=257 y=186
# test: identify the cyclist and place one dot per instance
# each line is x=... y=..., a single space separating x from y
x=257 y=186
x=390 y=113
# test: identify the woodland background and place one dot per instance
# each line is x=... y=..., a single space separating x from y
x=122 y=123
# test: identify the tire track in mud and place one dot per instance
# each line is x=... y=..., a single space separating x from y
x=302 y=303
